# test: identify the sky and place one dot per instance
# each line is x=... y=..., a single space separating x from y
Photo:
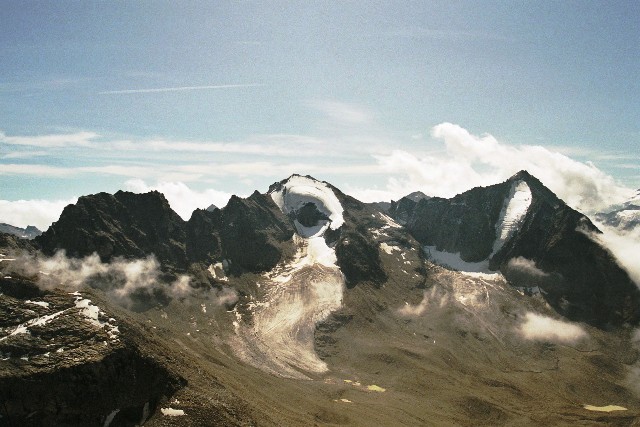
x=202 y=100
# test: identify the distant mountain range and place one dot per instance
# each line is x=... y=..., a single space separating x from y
x=305 y=306
x=625 y=217
x=24 y=233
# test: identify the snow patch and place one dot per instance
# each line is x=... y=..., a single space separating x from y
x=513 y=212
x=388 y=248
x=110 y=417
x=40 y=303
x=170 y=412
x=455 y=262
x=92 y=314
x=23 y=328
x=217 y=271
x=390 y=221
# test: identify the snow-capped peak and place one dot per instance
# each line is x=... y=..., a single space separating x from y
x=297 y=191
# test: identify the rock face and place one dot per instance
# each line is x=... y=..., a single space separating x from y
x=120 y=225
x=10 y=242
x=251 y=234
x=358 y=308
x=357 y=251
x=588 y=284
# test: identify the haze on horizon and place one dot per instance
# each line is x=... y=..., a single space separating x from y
x=204 y=100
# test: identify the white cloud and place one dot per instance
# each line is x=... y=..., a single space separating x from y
x=182 y=199
x=537 y=327
x=40 y=213
x=264 y=145
x=78 y=139
x=471 y=160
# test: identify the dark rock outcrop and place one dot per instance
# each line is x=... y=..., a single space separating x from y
x=464 y=223
x=124 y=224
x=356 y=250
x=251 y=234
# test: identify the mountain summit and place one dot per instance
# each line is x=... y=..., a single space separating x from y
x=490 y=227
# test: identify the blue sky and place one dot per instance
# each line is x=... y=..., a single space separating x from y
x=204 y=99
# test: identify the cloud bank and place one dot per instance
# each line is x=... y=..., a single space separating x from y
x=469 y=160
x=350 y=150
x=625 y=246
x=41 y=213
x=537 y=327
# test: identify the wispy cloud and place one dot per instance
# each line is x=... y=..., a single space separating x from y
x=23 y=154
x=77 y=139
x=35 y=170
x=343 y=113
x=625 y=246
x=178 y=89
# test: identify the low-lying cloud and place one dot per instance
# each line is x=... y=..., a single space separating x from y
x=526 y=266
x=625 y=246
x=432 y=297
x=523 y=272
x=133 y=284
x=128 y=282
x=537 y=327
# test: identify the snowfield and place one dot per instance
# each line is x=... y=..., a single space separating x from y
x=298 y=295
x=300 y=190
x=513 y=213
